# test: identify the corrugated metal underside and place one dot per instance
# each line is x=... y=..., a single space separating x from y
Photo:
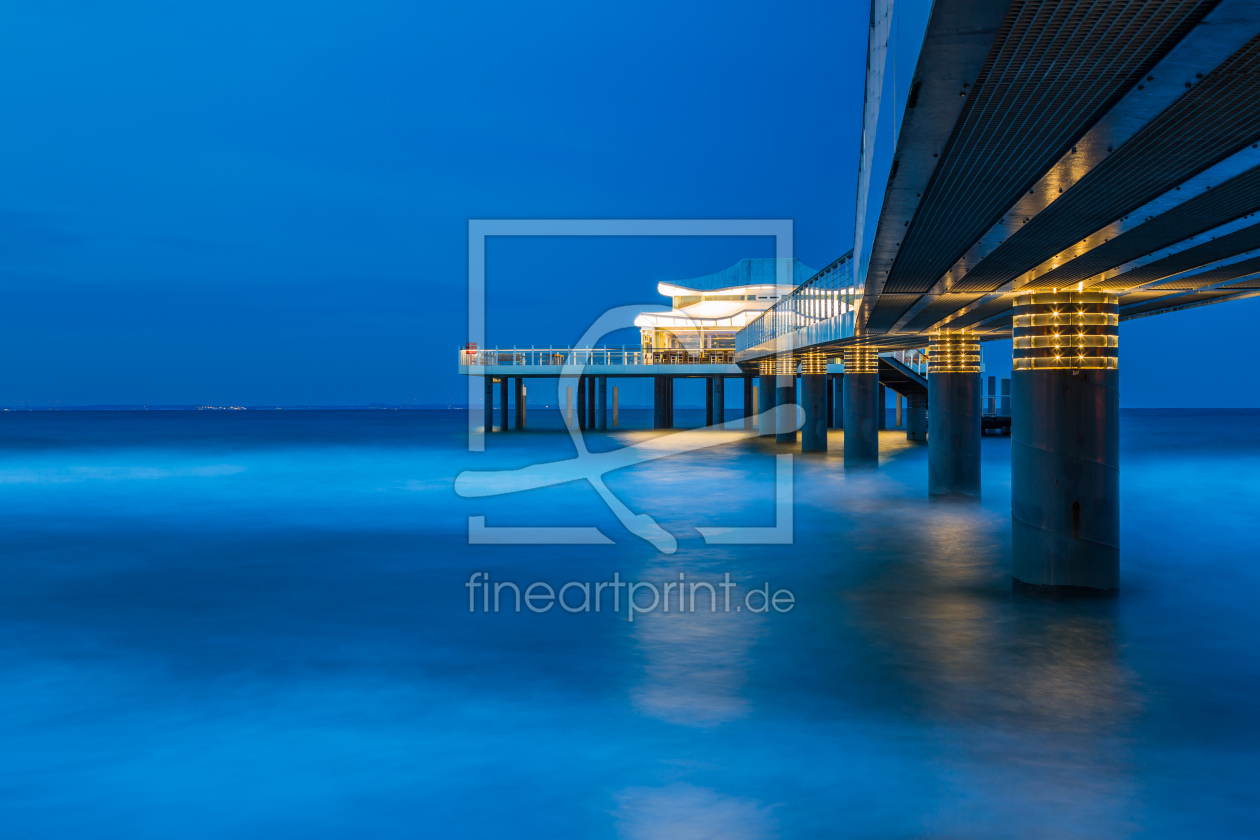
x=1237 y=197
x=1222 y=248
x=1055 y=68
x=1214 y=119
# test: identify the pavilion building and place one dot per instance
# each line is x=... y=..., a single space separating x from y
x=708 y=311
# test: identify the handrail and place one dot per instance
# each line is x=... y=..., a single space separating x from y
x=830 y=293
x=916 y=360
x=591 y=356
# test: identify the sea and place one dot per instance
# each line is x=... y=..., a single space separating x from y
x=277 y=624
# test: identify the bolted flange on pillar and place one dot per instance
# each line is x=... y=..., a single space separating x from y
x=814 y=401
x=861 y=407
x=1065 y=465
x=954 y=415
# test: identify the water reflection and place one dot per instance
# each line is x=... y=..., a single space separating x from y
x=695 y=664
x=685 y=812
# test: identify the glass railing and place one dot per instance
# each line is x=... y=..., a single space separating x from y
x=829 y=294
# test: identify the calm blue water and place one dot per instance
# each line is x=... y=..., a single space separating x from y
x=254 y=624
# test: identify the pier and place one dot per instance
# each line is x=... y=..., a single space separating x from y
x=1051 y=171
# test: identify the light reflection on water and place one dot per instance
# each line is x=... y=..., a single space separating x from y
x=257 y=626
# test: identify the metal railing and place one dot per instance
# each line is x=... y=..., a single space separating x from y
x=593 y=357
x=830 y=293
x=916 y=360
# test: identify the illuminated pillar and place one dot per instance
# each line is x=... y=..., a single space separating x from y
x=1065 y=465
x=719 y=400
x=520 y=402
x=503 y=403
x=785 y=401
x=861 y=407
x=765 y=394
x=916 y=417
x=954 y=415
x=814 y=401
x=748 y=401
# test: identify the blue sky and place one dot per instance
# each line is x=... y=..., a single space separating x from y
x=255 y=203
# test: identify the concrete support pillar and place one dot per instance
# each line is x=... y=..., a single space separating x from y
x=615 y=417
x=831 y=401
x=520 y=402
x=669 y=402
x=592 y=404
x=861 y=408
x=658 y=402
x=601 y=414
x=897 y=400
x=954 y=415
x=765 y=396
x=581 y=402
x=1065 y=465
x=814 y=401
x=708 y=401
x=489 y=403
x=916 y=417
x=748 y=401
x=503 y=403
x=785 y=401
x=837 y=409
x=719 y=400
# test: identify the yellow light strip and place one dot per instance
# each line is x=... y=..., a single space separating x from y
x=1066 y=331
x=954 y=352
x=861 y=360
x=814 y=362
